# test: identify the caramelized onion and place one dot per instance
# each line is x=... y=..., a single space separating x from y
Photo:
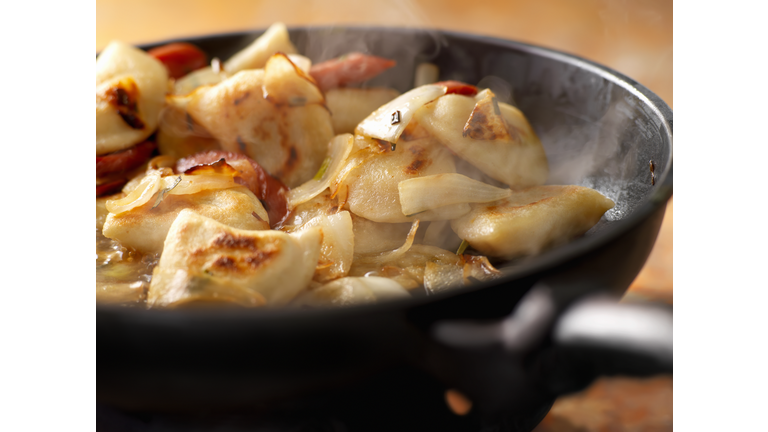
x=447 y=212
x=338 y=150
x=211 y=177
x=431 y=192
x=441 y=276
x=406 y=269
x=146 y=189
x=389 y=121
x=337 y=248
x=194 y=184
x=478 y=267
x=391 y=255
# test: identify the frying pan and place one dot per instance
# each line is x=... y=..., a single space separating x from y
x=510 y=345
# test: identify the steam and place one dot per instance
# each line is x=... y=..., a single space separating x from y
x=337 y=41
x=500 y=87
x=578 y=150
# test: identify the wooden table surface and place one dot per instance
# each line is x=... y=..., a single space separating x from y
x=633 y=37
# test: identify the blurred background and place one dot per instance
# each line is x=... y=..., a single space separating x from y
x=633 y=37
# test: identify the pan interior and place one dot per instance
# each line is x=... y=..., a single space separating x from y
x=599 y=128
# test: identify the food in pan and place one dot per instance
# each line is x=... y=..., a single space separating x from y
x=267 y=180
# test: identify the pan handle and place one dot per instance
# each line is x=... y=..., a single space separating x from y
x=564 y=342
x=599 y=336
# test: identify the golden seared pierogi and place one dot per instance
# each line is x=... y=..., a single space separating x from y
x=275 y=115
x=280 y=182
x=130 y=93
x=204 y=260
x=531 y=220
x=493 y=136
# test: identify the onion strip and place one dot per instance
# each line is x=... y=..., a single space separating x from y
x=430 y=192
x=447 y=212
x=478 y=267
x=389 y=121
x=441 y=276
x=206 y=178
x=384 y=257
x=338 y=151
x=145 y=190
x=356 y=161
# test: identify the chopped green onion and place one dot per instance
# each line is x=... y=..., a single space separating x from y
x=462 y=247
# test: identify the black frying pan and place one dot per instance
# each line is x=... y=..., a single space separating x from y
x=599 y=128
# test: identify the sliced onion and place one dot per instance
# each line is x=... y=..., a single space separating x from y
x=194 y=184
x=408 y=268
x=478 y=267
x=430 y=192
x=440 y=276
x=384 y=257
x=338 y=150
x=141 y=194
x=133 y=183
x=390 y=120
x=448 y=212
x=303 y=63
x=337 y=248
x=216 y=175
x=354 y=161
x=183 y=184
x=434 y=253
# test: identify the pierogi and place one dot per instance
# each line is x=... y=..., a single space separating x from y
x=247 y=183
